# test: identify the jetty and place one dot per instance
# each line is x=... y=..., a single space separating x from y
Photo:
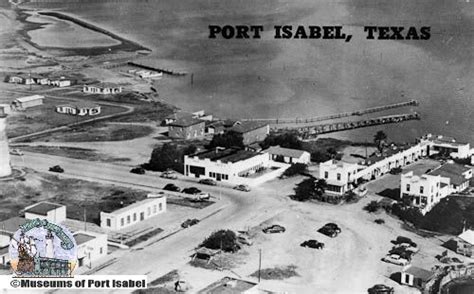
x=157 y=68
x=334 y=116
x=310 y=132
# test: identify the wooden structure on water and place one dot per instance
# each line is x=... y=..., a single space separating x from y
x=310 y=132
x=155 y=68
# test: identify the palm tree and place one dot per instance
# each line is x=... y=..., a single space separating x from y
x=379 y=139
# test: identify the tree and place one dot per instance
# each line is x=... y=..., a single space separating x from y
x=295 y=169
x=380 y=139
x=332 y=152
x=166 y=157
x=227 y=140
x=226 y=240
x=309 y=188
x=372 y=206
x=285 y=140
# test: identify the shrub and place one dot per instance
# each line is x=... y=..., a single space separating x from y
x=226 y=240
x=373 y=206
x=379 y=221
x=295 y=169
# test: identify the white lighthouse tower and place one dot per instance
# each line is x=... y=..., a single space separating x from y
x=5 y=168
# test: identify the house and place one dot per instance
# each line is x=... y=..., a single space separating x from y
x=102 y=88
x=465 y=243
x=459 y=175
x=186 y=128
x=251 y=131
x=184 y=114
x=40 y=80
x=287 y=155
x=5 y=109
x=55 y=213
x=229 y=285
x=90 y=247
x=79 y=108
x=444 y=145
x=27 y=102
x=21 y=79
x=59 y=81
x=214 y=127
x=133 y=214
x=415 y=277
x=230 y=165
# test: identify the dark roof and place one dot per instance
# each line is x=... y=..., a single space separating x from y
x=452 y=171
x=226 y=155
x=12 y=225
x=42 y=208
x=82 y=238
x=277 y=150
x=423 y=274
x=247 y=126
x=186 y=122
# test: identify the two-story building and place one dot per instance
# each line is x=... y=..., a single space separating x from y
x=439 y=144
x=465 y=243
x=186 y=128
x=251 y=131
x=339 y=176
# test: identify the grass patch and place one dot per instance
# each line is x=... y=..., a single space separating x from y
x=169 y=277
x=188 y=203
x=277 y=273
x=73 y=152
x=144 y=237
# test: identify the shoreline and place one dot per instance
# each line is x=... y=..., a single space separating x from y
x=125 y=44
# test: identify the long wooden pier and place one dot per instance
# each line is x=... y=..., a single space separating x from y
x=310 y=132
x=333 y=116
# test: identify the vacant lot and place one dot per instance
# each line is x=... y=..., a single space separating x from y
x=44 y=117
x=99 y=132
x=72 y=152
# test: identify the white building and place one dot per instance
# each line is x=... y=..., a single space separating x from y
x=134 y=213
x=52 y=212
x=288 y=155
x=230 y=165
x=448 y=146
x=102 y=88
x=339 y=175
x=80 y=109
x=59 y=82
x=28 y=101
x=415 y=277
x=427 y=190
x=90 y=247
x=465 y=243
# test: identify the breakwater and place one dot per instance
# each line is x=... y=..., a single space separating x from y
x=126 y=44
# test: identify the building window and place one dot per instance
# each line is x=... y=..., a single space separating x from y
x=100 y=250
x=128 y=219
x=161 y=206
x=134 y=216
x=338 y=176
x=408 y=187
x=326 y=175
x=122 y=222
x=154 y=208
x=108 y=222
x=422 y=190
x=148 y=210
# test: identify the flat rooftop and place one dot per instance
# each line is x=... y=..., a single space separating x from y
x=227 y=155
x=453 y=171
x=133 y=205
x=385 y=154
x=43 y=208
x=12 y=225
x=82 y=238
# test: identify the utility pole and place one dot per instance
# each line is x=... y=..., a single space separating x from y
x=85 y=219
x=259 y=263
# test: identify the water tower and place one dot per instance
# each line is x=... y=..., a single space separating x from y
x=5 y=168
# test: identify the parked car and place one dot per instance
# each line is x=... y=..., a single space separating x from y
x=202 y=196
x=169 y=174
x=274 y=229
x=402 y=252
x=189 y=222
x=16 y=152
x=401 y=239
x=244 y=239
x=395 y=259
x=171 y=187
x=138 y=170
x=396 y=171
x=243 y=188
x=191 y=190
x=380 y=289
x=330 y=230
x=56 y=169
x=312 y=244
x=208 y=182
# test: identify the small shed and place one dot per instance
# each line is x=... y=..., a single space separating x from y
x=205 y=253
x=27 y=102
x=415 y=277
x=465 y=243
x=288 y=155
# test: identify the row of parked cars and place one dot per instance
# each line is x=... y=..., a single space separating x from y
x=402 y=251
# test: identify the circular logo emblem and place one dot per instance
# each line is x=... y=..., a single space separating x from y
x=41 y=248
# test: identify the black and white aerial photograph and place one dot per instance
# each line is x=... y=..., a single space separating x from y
x=236 y=146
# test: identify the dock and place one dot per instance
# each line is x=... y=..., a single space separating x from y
x=334 y=116
x=157 y=68
x=310 y=132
